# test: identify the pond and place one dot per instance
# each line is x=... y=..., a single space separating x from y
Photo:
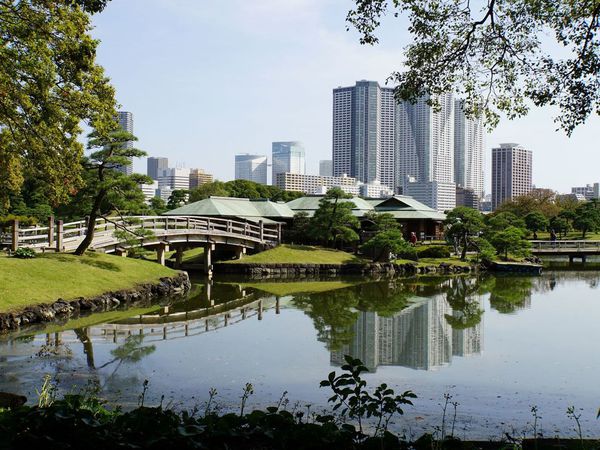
x=496 y=346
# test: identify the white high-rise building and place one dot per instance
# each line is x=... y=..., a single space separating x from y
x=469 y=144
x=126 y=123
x=363 y=132
x=511 y=172
x=174 y=178
x=251 y=167
x=425 y=141
x=287 y=157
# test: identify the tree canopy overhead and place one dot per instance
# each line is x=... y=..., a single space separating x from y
x=49 y=84
x=499 y=54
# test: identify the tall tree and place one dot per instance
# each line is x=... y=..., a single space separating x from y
x=536 y=221
x=587 y=218
x=501 y=54
x=108 y=189
x=49 y=84
x=333 y=220
x=464 y=225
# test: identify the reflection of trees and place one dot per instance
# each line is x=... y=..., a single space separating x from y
x=463 y=297
x=335 y=312
x=509 y=293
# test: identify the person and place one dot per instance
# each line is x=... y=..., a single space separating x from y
x=413 y=238
x=552 y=234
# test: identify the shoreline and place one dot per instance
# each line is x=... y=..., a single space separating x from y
x=141 y=295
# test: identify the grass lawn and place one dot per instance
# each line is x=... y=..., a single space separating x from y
x=46 y=278
x=298 y=287
x=299 y=254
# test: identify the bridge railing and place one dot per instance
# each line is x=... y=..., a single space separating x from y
x=58 y=234
x=565 y=245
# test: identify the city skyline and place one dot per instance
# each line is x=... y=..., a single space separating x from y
x=193 y=133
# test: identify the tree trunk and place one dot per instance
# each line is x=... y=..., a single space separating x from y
x=463 y=255
x=91 y=225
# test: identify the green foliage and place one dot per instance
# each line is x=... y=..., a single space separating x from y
x=502 y=220
x=50 y=85
x=298 y=232
x=108 y=189
x=510 y=240
x=374 y=221
x=333 y=221
x=494 y=54
x=24 y=221
x=351 y=397
x=560 y=225
x=24 y=253
x=463 y=225
x=241 y=189
x=536 y=221
x=386 y=242
x=587 y=218
x=434 y=251
x=177 y=198
x=157 y=205
x=542 y=201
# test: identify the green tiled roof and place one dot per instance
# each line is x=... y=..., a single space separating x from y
x=405 y=207
x=234 y=207
x=310 y=204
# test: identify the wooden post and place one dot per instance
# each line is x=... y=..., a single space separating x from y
x=160 y=253
x=261 y=230
x=240 y=252
x=178 y=257
x=50 y=231
x=208 y=249
x=279 y=233
x=15 y=236
x=59 y=236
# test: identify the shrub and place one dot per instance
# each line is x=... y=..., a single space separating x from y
x=434 y=251
x=24 y=253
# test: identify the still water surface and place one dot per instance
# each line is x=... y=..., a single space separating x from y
x=497 y=345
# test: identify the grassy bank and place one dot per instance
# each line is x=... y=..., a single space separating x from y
x=46 y=278
x=299 y=254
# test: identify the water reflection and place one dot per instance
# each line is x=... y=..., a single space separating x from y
x=419 y=323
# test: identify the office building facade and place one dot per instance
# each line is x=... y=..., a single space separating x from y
x=251 y=167
x=287 y=157
x=363 y=132
x=326 y=168
x=469 y=144
x=174 y=178
x=125 y=119
x=315 y=184
x=198 y=177
x=155 y=166
x=511 y=172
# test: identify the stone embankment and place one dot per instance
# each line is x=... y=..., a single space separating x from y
x=291 y=270
x=142 y=295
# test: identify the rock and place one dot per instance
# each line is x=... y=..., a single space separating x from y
x=8 y=400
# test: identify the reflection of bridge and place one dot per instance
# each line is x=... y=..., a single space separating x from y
x=572 y=249
x=156 y=232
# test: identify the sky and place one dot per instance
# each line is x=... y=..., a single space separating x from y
x=208 y=79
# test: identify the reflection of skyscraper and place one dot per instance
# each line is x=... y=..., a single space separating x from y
x=419 y=337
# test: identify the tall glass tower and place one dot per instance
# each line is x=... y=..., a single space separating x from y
x=287 y=157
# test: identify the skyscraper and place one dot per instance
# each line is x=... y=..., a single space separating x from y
x=425 y=151
x=468 y=150
x=287 y=157
x=155 y=166
x=251 y=167
x=198 y=177
x=326 y=168
x=511 y=172
x=363 y=132
x=126 y=123
x=425 y=141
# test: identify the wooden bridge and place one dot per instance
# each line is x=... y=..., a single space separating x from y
x=572 y=249
x=117 y=235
